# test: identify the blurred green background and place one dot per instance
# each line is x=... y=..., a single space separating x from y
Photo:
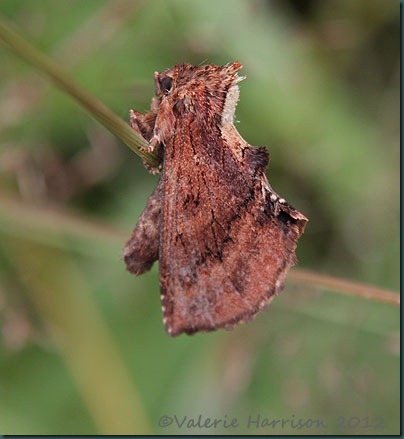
x=83 y=349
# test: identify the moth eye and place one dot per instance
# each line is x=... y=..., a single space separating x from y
x=166 y=84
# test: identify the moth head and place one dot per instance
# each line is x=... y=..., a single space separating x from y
x=201 y=88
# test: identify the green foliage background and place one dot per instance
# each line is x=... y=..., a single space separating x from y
x=83 y=350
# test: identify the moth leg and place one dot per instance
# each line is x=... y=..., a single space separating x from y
x=143 y=124
x=152 y=169
x=142 y=249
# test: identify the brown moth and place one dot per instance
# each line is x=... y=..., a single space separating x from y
x=224 y=239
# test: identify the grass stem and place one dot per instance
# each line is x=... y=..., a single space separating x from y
x=92 y=105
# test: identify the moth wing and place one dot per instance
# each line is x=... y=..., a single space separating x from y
x=142 y=249
x=227 y=240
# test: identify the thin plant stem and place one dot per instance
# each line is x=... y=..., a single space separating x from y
x=13 y=40
x=121 y=129
x=344 y=286
x=37 y=223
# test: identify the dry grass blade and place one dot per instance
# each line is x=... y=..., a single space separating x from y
x=345 y=286
x=76 y=47
x=21 y=216
x=91 y=104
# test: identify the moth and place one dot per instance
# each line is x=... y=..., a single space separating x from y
x=223 y=237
